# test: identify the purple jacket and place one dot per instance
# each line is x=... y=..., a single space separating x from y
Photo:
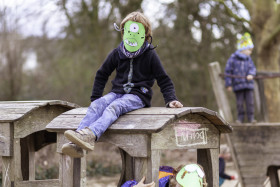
x=240 y=65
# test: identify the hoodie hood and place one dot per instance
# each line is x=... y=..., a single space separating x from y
x=124 y=54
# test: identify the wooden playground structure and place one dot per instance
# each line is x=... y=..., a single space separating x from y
x=28 y=126
x=255 y=148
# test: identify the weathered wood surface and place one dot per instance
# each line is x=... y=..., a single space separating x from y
x=189 y=131
x=22 y=133
x=257 y=147
x=143 y=133
x=149 y=120
x=39 y=183
x=11 y=111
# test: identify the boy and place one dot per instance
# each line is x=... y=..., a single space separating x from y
x=240 y=70
x=137 y=67
x=223 y=157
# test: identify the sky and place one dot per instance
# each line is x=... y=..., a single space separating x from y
x=34 y=17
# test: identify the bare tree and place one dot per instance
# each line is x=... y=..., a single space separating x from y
x=11 y=60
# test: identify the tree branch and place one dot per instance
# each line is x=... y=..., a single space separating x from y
x=233 y=15
x=275 y=33
x=248 y=5
x=71 y=24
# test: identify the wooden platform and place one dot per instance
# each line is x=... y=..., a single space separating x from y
x=142 y=134
x=257 y=148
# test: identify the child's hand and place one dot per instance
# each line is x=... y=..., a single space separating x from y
x=175 y=104
x=250 y=77
x=229 y=88
x=141 y=184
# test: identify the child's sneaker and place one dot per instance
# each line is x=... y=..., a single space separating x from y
x=191 y=175
x=72 y=150
x=84 y=138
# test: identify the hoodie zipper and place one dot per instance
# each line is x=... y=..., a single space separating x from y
x=128 y=86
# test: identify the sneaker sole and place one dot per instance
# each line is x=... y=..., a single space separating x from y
x=77 y=141
x=71 y=152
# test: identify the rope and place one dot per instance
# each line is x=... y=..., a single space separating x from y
x=255 y=77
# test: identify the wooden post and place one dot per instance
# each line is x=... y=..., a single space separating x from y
x=273 y=176
x=219 y=91
x=264 y=112
x=208 y=159
x=224 y=107
x=153 y=166
x=66 y=172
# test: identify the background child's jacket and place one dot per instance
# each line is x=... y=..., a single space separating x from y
x=239 y=65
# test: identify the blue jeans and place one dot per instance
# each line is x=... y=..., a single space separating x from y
x=221 y=181
x=104 y=111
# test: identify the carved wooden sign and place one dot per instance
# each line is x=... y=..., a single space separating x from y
x=189 y=134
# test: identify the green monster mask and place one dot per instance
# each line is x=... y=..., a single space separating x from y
x=133 y=36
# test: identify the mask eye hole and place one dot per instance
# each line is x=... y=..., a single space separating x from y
x=134 y=27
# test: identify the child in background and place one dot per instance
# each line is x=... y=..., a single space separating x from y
x=191 y=175
x=224 y=156
x=137 y=66
x=240 y=71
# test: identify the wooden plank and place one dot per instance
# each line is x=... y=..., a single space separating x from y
x=83 y=176
x=77 y=111
x=17 y=160
x=38 y=183
x=7 y=171
x=36 y=120
x=61 y=139
x=162 y=111
x=6 y=138
x=131 y=121
x=208 y=159
x=66 y=170
x=219 y=91
x=77 y=172
x=273 y=176
x=7 y=111
x=6 y=118
x=31 y=155
x=153 y=166
x=187 y=135
x=134 y=144
x=140 y=168
x=141 y=123
x=14 y=110
x=126 y=123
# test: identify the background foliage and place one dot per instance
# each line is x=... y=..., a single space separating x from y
x=189 y=34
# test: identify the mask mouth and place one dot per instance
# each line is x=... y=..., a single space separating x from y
x=131 y=43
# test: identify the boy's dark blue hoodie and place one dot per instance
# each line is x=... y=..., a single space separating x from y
x=134 y=75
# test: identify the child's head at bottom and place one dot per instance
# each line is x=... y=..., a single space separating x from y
x=190 y=175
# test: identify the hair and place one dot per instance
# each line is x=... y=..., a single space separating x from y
x=140 y=18
x=224 y=149
x=172 y=178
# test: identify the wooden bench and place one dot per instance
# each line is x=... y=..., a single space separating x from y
x=142 y=134
x=22 y=133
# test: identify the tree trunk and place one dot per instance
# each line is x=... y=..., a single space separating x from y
x=268 y=60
